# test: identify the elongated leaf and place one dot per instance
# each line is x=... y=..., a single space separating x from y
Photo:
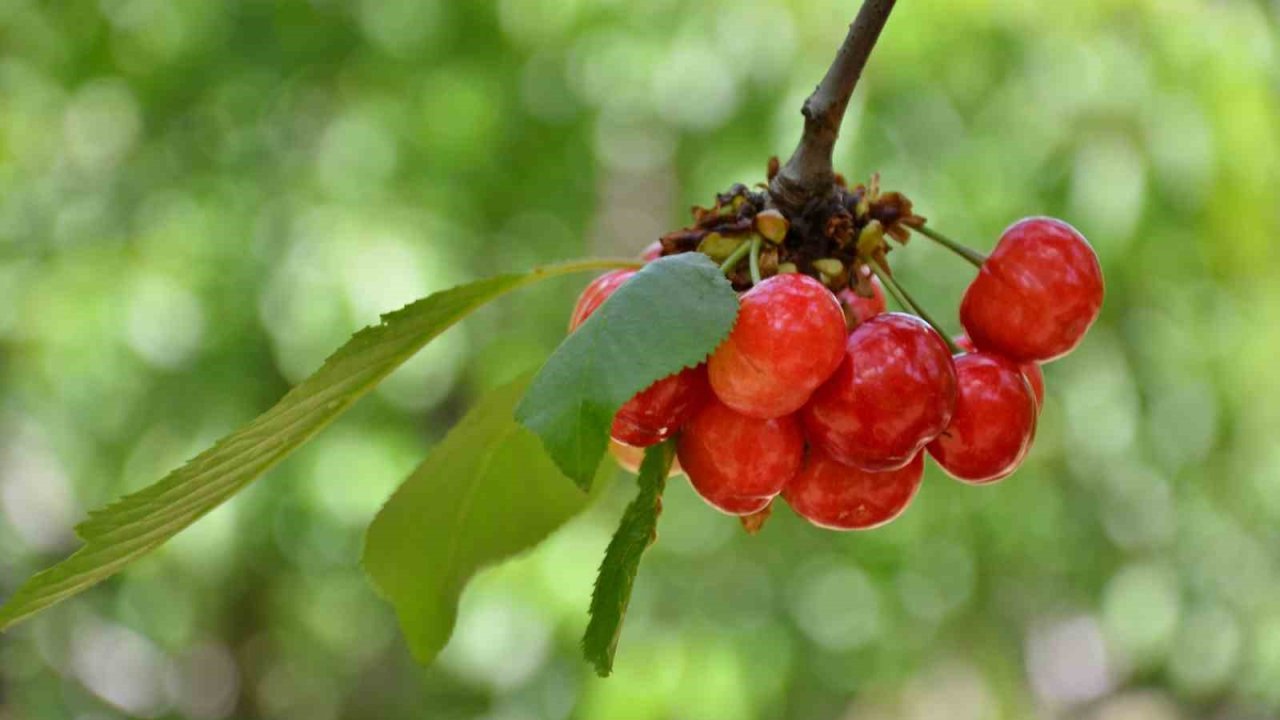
x=617 y=575
x=670 y=316
x=487 y=492
x=138 y=523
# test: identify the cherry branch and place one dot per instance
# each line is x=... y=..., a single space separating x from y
x=809 y=173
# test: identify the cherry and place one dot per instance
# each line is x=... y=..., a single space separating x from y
x=652 y=251
x=893 y=393
x=1031 y=371
x=657 y=412
x=788 y=339
x=859 y=309
x=835 y=496
x=739 y=463
x=594 y=295
x=993 y=423
x=1037 y=293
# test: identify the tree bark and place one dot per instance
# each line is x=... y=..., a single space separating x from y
x=809 y=175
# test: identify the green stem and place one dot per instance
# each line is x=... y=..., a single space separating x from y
x=973 y=256
x=734 y=258
x=755 y=260
x=891 y=286
x=586 y=265
x=905 y=300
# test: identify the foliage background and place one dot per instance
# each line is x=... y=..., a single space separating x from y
x=199 y=200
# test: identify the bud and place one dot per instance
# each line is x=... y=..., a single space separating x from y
x=863 y=208
x=772 y=226
x=829 y=266
x=768 y=261
x=870 y=239
x=718 y=247
x=787 y=267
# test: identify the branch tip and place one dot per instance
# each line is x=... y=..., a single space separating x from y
x=809 y=173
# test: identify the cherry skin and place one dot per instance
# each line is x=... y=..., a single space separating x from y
x=835 y=496
x=788 y=339
x=858 y=309
x=594 y=295
x=993 y=424
x=893 y=393
x=1031 y=371
x=658 y=411
x=652 y=251
x=739 y=463
x=1037 y=293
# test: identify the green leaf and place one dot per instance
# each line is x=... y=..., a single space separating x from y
x=636 y=532
x=141 y=522
x=484 y=494
x=670 y=316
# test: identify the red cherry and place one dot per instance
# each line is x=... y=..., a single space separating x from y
x=652 y=252
x=657 y=412
x=859 y=309
x=993 y=424
x=788 y=339
x=738 y=463
x=594 y=295
x=835 y=496
x=1037 y=293
x=1035 y=378
x=1031 y=371
x=629 y=458
x=893 y=393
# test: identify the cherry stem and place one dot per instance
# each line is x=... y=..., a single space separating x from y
x=891 y=286
x=906 y=301
x=973 y=256
x=755 y=260
x=734 y=258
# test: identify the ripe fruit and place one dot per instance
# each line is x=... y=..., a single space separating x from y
x=893 y=393
x=1036 y=294
x=993 y=423
x=832 y=495
x=594 y=295
x=831 y=400
x=738 y=463
x=860 y=309
x=788 y=339
x=1031 y=371
x=657 y=412
x=652 y=251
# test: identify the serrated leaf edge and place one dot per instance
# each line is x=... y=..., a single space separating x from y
x=142 y=521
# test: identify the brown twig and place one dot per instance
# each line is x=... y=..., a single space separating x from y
x=809 y=174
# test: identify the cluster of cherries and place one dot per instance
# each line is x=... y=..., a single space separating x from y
x=832 y=402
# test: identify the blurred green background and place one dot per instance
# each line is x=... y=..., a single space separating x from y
x=199 y=200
